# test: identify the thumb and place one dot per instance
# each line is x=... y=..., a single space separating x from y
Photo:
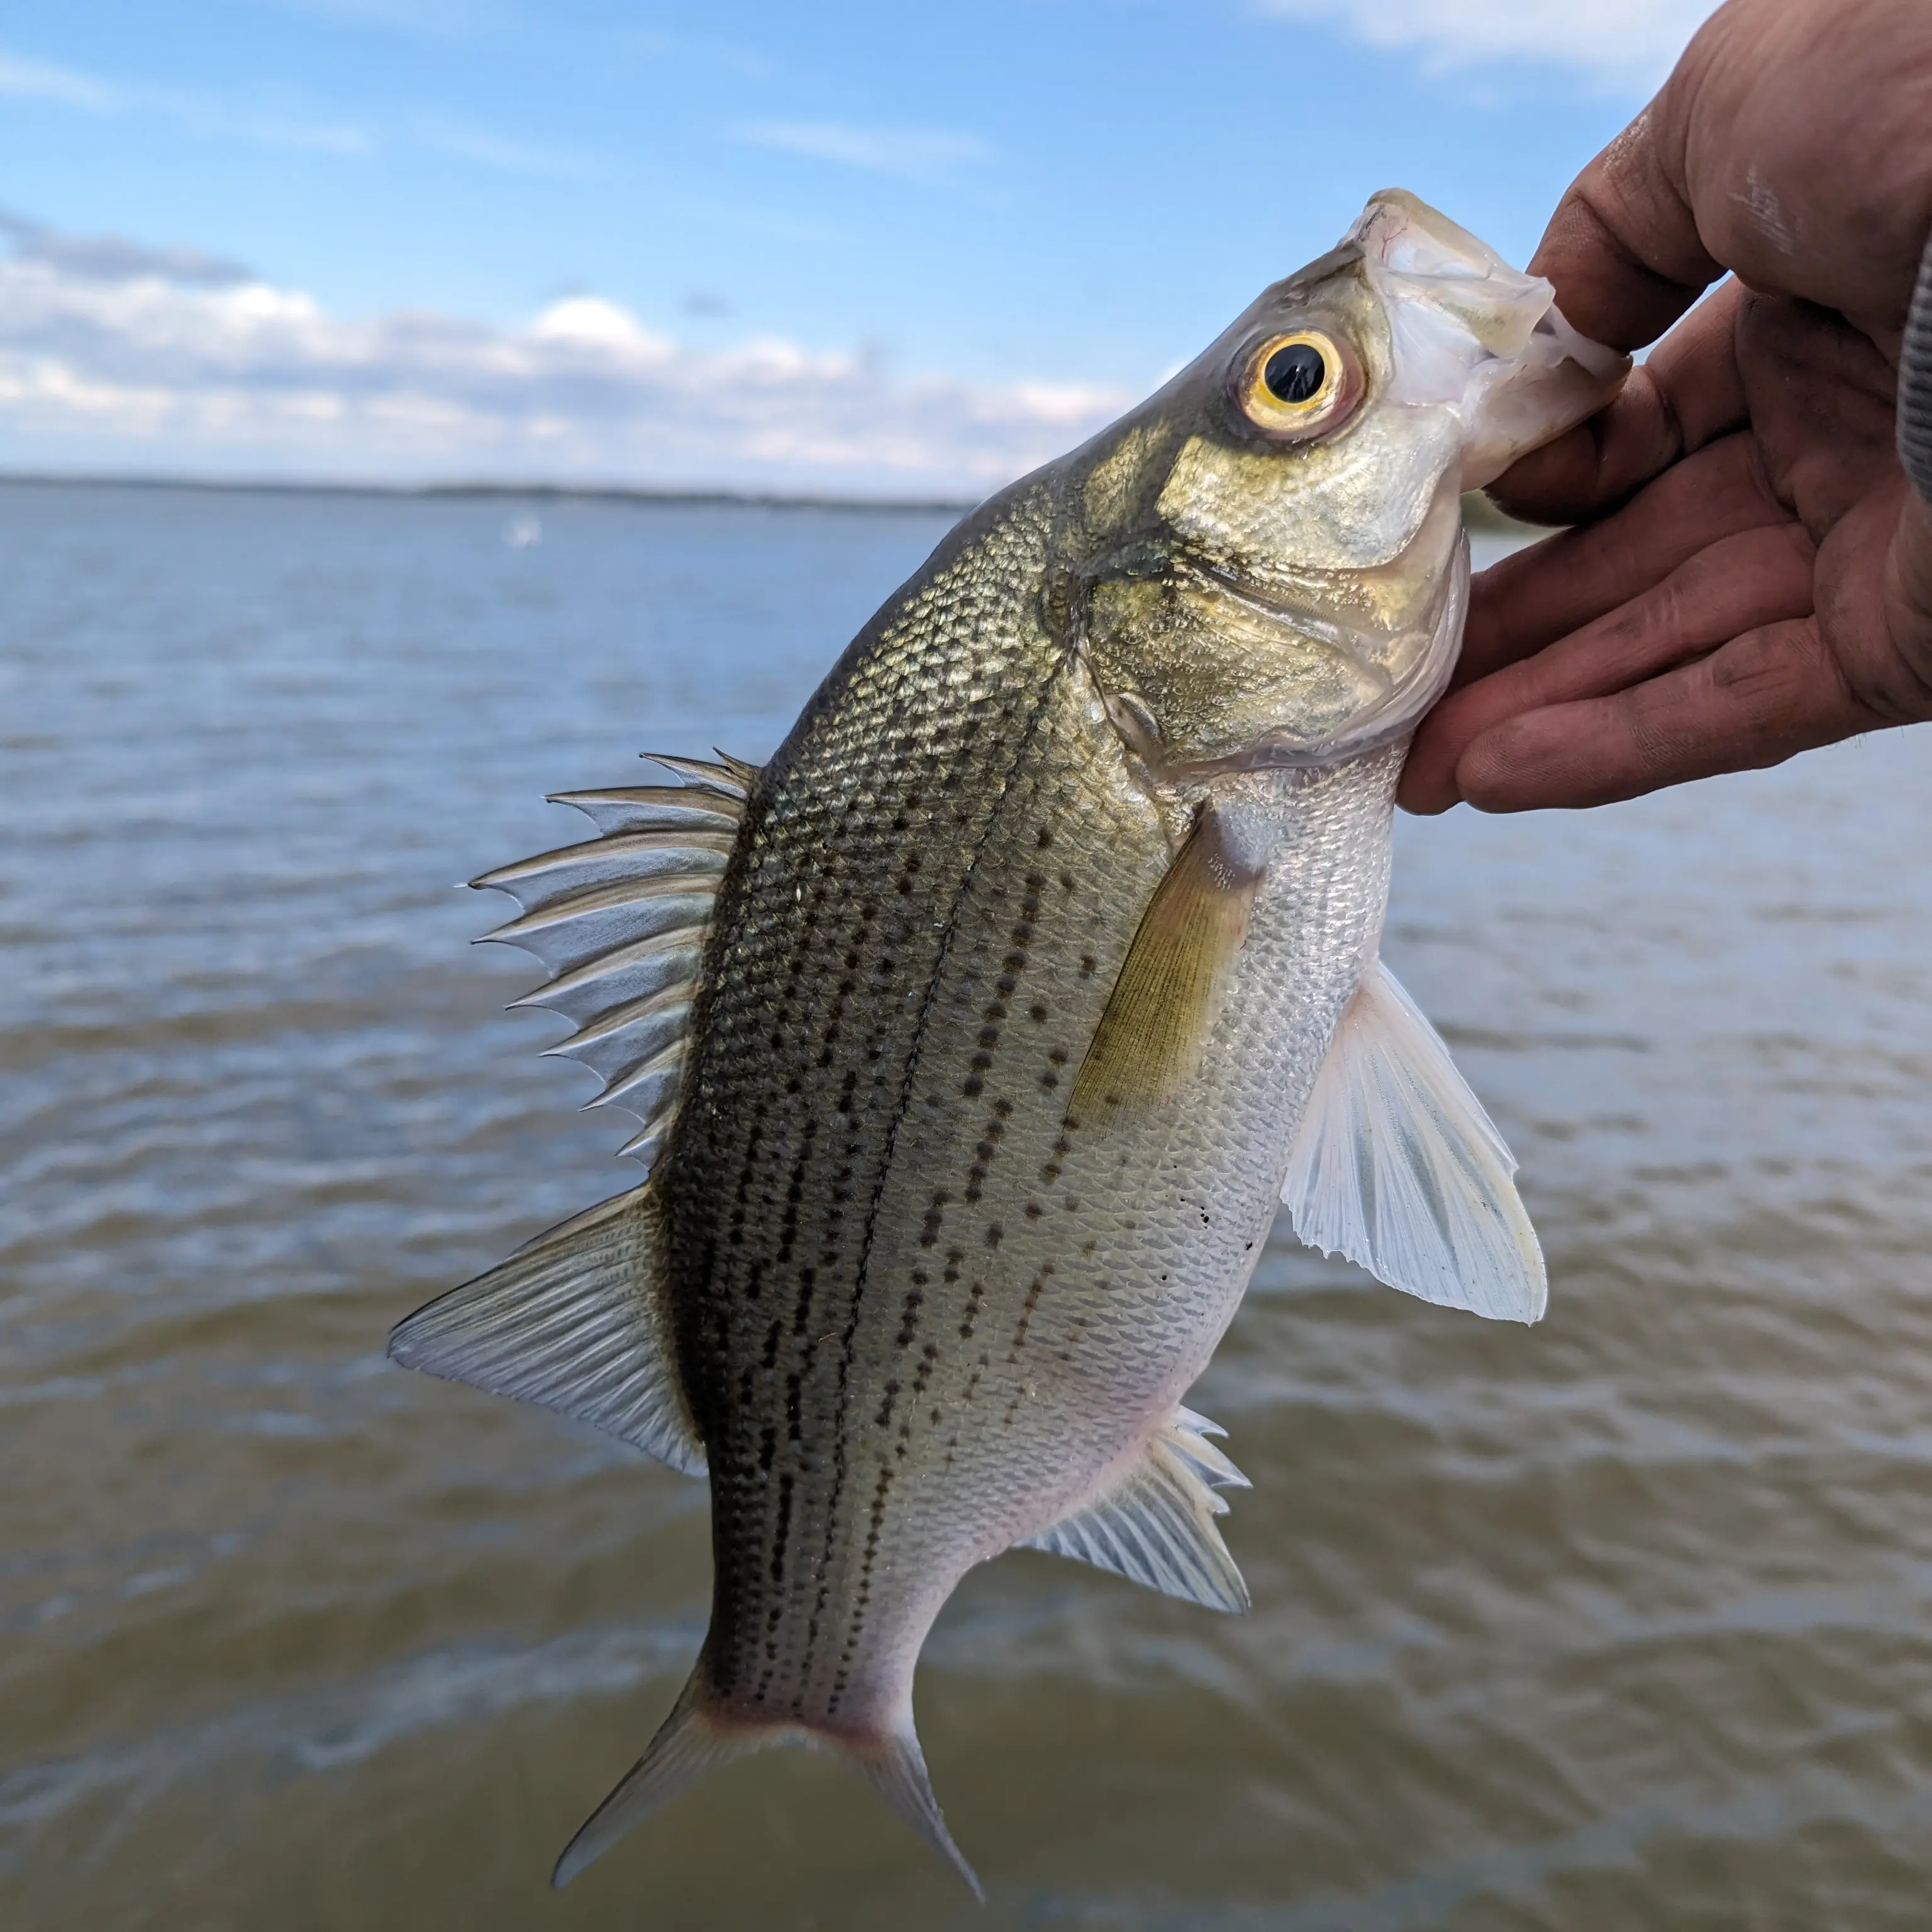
x=1908 y=586
x=1908 y=564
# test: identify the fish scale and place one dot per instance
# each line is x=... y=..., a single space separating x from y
x=973 y=1239
x=878 y=817
x=976 y=1037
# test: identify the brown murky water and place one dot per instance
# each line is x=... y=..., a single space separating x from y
x=1623 y=1622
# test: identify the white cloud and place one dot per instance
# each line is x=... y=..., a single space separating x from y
x=734 y=56
x=25 y=80
x=22 y=78
x=467 y=142
x=265 y=130
x=109 y=258
x=1628 y=42
x=912 y=154
x=122 y=359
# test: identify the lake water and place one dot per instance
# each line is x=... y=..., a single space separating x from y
x=1623 y=1622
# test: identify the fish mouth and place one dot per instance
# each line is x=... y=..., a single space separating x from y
x=1519 y=406
x=1471 y=330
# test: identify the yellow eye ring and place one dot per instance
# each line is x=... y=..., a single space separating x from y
x=1297 y=384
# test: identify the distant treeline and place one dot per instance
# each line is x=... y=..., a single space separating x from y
x=1481 y=514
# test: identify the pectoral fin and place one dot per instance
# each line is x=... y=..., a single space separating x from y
x=1397 y=1167
x=1175 y=977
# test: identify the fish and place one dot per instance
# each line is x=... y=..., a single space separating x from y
x=978 y=1037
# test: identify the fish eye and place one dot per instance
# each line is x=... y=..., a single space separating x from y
x=1298 y=384
x=1297 y=372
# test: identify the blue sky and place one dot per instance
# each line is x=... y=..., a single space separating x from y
x=892 y=248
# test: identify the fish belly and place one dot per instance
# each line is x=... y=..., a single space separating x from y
x=921 y=1311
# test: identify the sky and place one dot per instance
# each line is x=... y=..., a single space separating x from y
x=857 y=247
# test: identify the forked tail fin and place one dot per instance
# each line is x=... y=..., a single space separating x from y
x=895 y=1767
x=697 y=1736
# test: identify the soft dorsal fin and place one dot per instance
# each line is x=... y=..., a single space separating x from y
x=1397 y=1167
x=1175 y=977
x=621 y=919
x=1157 y=1528
x=575 y=1320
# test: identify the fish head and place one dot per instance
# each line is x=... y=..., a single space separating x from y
x=1273 y=568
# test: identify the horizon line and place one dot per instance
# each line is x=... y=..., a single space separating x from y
x=715 y=495
x=1478 y=512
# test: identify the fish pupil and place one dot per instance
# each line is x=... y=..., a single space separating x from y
x=1294 y=373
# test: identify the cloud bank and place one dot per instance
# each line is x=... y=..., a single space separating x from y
x=119 y=359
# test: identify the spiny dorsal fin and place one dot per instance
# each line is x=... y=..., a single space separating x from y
x=575 y=1320
x=1157 y=1527
x=680 y=851
x=1397 y=1167
x=653 y=808
x=746 y=774
x=620 y=920
x=731 y=777
x=1175 y=976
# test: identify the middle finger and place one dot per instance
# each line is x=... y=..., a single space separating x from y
x=1737 y=584
x=1529 y=601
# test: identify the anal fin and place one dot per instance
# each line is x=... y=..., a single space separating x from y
x=575 y=1320
x=1157 y=1527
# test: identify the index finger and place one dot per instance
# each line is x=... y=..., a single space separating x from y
x=1555 y=587
x=1788 y=146
x=1687 y=394
x=1622 y=249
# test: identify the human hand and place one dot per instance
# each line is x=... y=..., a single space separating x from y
x=1751 y=575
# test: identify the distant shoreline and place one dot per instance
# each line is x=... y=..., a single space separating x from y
x=597 y=493
x=1478 y=512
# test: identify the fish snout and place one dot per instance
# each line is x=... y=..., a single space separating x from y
x=1470 y=332
x=1561 y=379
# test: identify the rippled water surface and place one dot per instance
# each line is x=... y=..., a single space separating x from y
x=1624 y=1622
